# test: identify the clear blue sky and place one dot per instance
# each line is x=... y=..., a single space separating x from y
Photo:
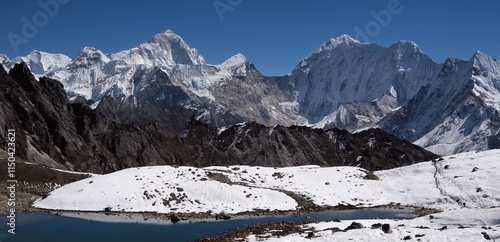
x=273 y=34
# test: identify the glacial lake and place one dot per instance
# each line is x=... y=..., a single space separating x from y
x=46 y=227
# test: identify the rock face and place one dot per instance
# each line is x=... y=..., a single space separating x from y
x=52 y=131
x=353 y=85
x=131 y=110
x=459 y=112
x=255 y=144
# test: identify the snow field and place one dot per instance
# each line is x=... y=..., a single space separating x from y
x=464 y=186
x=162 y=189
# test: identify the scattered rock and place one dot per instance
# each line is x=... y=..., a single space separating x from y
x=475 y=169
x=310 y=234
x=479 y=189
x=419 y=235
x=327 y=183
x=222 y=216
x=386 y=228
x=486 y=236
x=443 y=228
x=278 y=175
x=354 y=225
x=376 y=226
x=180 y=189
x=446 y=167
x=407 y=237
x=336 y=229
x=370 y=175
x=174 y=218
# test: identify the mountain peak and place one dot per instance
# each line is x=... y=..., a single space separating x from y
x=405 y=45
x=343 y=39
x=168 y=49
x=236 y=60
x=166 y=36
x=89 y=56
x=483 y=61
x=3 y=58
x=478 y=56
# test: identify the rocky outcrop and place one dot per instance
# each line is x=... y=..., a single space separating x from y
x=255 y=144
x=52 y=131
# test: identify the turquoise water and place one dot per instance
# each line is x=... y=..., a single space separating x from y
x=41 y=227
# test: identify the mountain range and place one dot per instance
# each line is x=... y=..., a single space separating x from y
x=447 y=108
x=51 y=131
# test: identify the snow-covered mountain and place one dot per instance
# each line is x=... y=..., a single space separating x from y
x=165 y=50
x=458 y=112
x=353 y=85
x=344 y=83
x=165 y=71
x=40 y=63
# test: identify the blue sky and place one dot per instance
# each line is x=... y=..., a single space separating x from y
x=274 y=35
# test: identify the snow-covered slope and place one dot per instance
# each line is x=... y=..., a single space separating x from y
x=40 y=63
x=164 y=50
x=452 y=183
x=458 y=225
x=458 y=112
x=4 y=60
x=163 y=190
x=464 y=186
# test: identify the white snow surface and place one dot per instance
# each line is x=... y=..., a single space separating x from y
x=474 y=222
x=39 y=62
x=450 y=185
x=163 y=189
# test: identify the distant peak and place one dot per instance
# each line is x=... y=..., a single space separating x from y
x=483 y=61
x=167 y=35
x=89 y=56
x=405 y=47
x=3 y=57
x=407 y=44
x=236 y=60
x=478 y=54
x=343 y=39
x=88 y=49
x=239 y=57
x=168 y=31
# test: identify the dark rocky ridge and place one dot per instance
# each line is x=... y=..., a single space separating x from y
x=52 y=131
